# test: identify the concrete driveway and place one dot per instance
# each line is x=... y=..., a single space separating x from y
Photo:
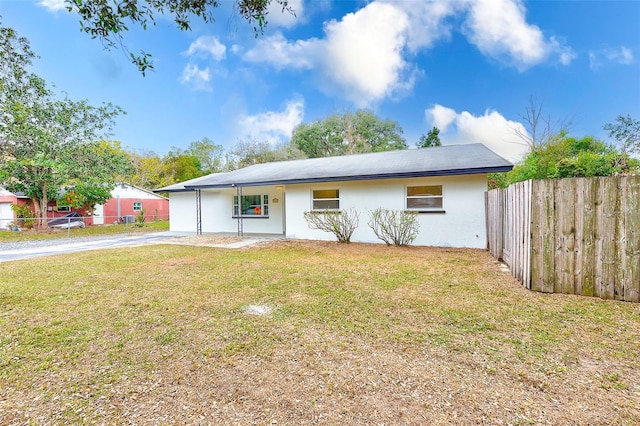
x=32 y=249
x=63 y=246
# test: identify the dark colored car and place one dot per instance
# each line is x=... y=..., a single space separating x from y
x=71 y=220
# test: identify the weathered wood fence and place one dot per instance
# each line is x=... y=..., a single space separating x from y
x=575 y=236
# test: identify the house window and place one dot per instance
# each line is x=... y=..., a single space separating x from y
x=251 y=206
x=424 y=198
x=137 y=206
x=65 y=209
x=326 y=199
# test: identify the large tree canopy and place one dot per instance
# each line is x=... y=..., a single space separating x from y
x=108 y=20
x=47 y=143
x=348 y=134
x=210 y=155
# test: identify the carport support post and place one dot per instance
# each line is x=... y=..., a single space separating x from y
x=240 y=224
x=198 y=212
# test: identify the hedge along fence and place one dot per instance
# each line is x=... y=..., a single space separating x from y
x=574 y=236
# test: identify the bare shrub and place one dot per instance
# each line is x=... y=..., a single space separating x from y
x=342 y=223
x=397 y=227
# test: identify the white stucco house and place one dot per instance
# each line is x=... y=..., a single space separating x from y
x=446 y=185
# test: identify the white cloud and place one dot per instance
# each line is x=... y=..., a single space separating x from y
x=272 y=126
x=428 y=20
x=621 y=55
x=53 y=5
x=365 y=57
x=491 y=129
x=499 y=29
x=207 y=45
x=280 y=53
x=440 y=116
x=196 y=78
x=285 y=19
x=360 y=58
x=364 y=53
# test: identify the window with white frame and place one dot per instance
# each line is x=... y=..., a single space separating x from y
x=251 y=206
x=137 y=206
x=326 y=199
x=425 y=198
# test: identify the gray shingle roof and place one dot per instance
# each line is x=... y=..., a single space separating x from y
x=438 y=161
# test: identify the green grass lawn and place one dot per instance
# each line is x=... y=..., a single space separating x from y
x=30 y=234
x=356 y=334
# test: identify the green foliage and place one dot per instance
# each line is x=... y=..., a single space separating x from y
x=210 y=155
x=140 y=219
x=432 y=139
x=626 y=131
x=45 y=142
x=24 y=215
x=397 y=227
x=101 y=20
x=247 y=153
x=181 y=166
x=571 y=157
x=341 y=223
x=497 y=180
x=148 y=171
x=348 y=134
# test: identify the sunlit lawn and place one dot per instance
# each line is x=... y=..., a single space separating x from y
x=357 y=334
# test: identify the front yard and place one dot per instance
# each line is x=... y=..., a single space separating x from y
x=296 y=332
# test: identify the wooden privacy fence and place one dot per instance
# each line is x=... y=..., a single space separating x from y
x=575 y=236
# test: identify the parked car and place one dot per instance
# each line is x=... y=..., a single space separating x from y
x=71 y=220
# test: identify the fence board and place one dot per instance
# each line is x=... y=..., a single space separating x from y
x=586 y=237
x=621 y=241
x=548 y=237
x=537 y=242
x=608 y=226
x=576 y=236
x=632 y=221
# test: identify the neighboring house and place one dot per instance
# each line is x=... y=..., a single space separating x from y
x=6 y=214
x=126 y=200
x=445 y=184
x=7 y=198
x=129 y=200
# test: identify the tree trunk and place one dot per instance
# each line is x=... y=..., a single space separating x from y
x=43 y=211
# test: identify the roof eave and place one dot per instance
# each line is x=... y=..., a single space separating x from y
x=454 y=172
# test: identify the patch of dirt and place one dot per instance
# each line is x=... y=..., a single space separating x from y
x=204 y=240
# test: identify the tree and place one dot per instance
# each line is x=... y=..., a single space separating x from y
x=46 y=143
x=348 y=134
x=148 y=171
x=210 y=155
x=108 y=20
x=180 y=166
x=432 y=139
x=626 y=132
x=540 y=129
x=250 y=152
x=110 y=164
x=572 y=157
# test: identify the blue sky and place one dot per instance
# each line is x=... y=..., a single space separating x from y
x=468 y=67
